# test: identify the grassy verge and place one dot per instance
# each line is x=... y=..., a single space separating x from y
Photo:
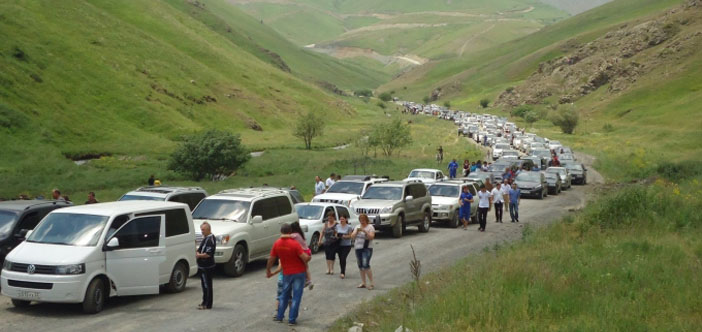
x=629 y=261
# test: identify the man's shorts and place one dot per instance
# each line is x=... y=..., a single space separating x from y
x=464 y=213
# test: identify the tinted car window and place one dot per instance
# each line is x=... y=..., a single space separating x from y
x=193 y=199
x=7 y=220
x=266 y=208
x=176 y=221
x=29 y=221
x=418 y=191
x=140 y=233
x=342 y=211
x=283 y=204
x=296 y=196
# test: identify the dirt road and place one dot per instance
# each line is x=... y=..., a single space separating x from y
x=246 y=303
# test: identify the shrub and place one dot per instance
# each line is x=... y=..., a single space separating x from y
x=567 y=120
x=382 y=105
x=484 y=102
x=385 y=96
x=363 y=93
x=531 y=116
x=209 y=154
x=447 y=104
x=308 y=127
x=390 y=136
x=608 y=128
x=680 y=171
x=426 y=99
x=521 y=110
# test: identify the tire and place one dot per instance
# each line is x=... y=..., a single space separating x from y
x=179 y=278
x=236 y=265
x=94 y=300
x=398 y=229
x=21 y=303
x=426 y=222
x=315 y=243
x=455 y=220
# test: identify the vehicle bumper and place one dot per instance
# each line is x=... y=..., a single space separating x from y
x=223 y=254
x=530 y=193
x=64 y=289
x=383 y=220
x=442 y=215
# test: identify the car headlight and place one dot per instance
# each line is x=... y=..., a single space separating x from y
x=7 y=265
x=386 y=209
x=537 y=187
x=222 y=239
x=71 y=269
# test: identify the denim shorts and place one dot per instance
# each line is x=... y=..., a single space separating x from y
x=363 y=257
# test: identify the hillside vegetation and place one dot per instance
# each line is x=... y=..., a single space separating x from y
x=390 y=32
x=127 y=79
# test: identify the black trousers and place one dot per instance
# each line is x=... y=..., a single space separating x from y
x=343 y=252
x=206 y=282
x=482 y=217
x=498 y=211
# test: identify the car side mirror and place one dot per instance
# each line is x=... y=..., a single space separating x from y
x=409 y=198
x=22 y=234
x=112 y=244
x=256 y=219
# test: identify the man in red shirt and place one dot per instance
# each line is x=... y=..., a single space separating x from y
x=292 y=260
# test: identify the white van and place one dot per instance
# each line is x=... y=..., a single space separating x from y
x=84 y=254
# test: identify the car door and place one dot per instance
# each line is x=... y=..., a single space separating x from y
x=133 y=265
x=259 y=232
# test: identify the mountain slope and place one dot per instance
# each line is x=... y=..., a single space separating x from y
x=128 y=78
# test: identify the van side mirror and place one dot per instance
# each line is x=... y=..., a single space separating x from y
x=256 y=219
x=113 y=243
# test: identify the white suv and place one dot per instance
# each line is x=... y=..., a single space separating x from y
x=348 y=190
x=186 y=195
x=246 y=223
x=85 y=254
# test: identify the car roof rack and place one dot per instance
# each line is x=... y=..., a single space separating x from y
x=167 y=189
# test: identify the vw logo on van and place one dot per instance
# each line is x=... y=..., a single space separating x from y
x=31 y=269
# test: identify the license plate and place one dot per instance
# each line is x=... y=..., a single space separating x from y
x=28 y=295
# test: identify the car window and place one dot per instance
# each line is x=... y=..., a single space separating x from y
x=176 y=222
x=342 y=211
x=193 y=199
x=327 y=211
x=283 y=205
x=266 y=208
x=141 y=232
x=29 y=221
x=116 y=224
x=296 y=196
x=7 y=220
x=418 y=190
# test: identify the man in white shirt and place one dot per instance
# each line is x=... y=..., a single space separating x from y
x=330 y=180
x=498 y=200
x=484 y=202
x=318 y=186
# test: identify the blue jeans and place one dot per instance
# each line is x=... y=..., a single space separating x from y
x=514 y=211
x=363 y=257
x=292 y=284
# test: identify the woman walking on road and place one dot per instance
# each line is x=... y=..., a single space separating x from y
x=343 y=231
x=331 y=241
x=364 y=236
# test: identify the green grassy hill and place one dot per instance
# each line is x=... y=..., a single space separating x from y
x=419 y=29
x=127 y=79
x=643 y=115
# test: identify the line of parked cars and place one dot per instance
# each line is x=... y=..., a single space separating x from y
x=52 y=251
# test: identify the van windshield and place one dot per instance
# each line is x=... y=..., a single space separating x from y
x=7 y=220
x=222 y=209
x=69 y=229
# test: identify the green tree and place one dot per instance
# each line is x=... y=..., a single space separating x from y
x=390 y=136
x=308 y=127
x=385 y=96
x=209 y=154
x=530 y=117
x=484 y=102
x=521 y=110
x=426 y=99
x=567 y=120
x=447 y=104
x=363 y=93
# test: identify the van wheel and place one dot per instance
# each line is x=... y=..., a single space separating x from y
x=426 y=222
x=237 y=264
x=314 y=247
x=456 y=219
x=179 y=277
x=20 y=303
x=94 y=300
x=399 y=227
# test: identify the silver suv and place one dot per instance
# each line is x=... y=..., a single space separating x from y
x=245 y=222
x=396 y=205
x=349 y=189
x=186 y=195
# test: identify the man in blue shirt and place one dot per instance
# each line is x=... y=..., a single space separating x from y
x=452 y=167
x=514 y=202
x=465 y=200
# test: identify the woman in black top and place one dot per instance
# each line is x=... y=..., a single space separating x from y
x=331 y=241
